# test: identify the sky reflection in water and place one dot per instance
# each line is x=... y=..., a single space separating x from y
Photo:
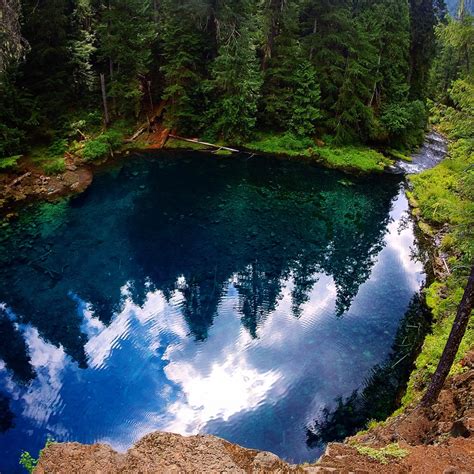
x=241 y=306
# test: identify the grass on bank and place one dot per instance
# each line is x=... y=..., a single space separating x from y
x=444 y=202
x=382 y=455
x=345 y=157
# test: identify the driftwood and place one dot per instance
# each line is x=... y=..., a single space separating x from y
x=213 y=145
x=20 y=178
x=446 y=265
x=138 y=132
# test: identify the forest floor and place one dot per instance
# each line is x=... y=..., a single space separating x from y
x=435 y=440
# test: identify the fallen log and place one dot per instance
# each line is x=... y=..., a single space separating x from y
x=20 y=178
x=151 y=121
x=138 y=133
x=213 y=145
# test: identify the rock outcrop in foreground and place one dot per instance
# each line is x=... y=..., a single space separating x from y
x=160 y=453
x=435 y=441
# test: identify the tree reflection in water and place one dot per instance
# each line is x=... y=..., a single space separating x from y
x=199 y=232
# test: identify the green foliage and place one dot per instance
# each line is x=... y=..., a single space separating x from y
x=103 y=145
x=229 y=69
x=305 y=101
x=382 y=455
x=235 y=76
x=9 y=162
x=287 y=144
x=28 y=461
x=58 y=147
x=185 y=47
x=55 y=166
x=353 y=158
x=345 y=157
x=125 y=35
x=444 y=199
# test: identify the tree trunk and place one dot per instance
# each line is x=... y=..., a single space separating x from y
x=104 y=100
x=450 y=350
x=315 y=30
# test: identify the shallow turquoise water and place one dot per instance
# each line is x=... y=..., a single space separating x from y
x=260 y=300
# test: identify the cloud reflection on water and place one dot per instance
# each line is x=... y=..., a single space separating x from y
x=148 y=370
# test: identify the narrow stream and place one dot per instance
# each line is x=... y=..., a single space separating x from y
x=432 y=152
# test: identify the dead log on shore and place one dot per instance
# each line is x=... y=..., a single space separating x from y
x=20 y=178
x=212 y=145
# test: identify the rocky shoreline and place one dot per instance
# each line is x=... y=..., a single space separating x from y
x=29 y=183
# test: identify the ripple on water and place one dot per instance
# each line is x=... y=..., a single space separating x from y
x=244 y=301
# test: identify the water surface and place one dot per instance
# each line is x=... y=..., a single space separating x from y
x=431 y=153
x=259 y=300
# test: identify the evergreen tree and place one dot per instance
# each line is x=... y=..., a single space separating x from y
x=328 y=34
x=82 y=48
x=354 y=119
x=235 y=75
x=185 y=46
x=305 y=101
x=47 y=71
x=125 y=35
x=422 y=48
x=290 y=93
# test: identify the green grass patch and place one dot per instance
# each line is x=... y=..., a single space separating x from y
x=351 y=157
x=346 y=157
x=382 y=455
x=287 y=144
x=50 y=159
x=444 y=199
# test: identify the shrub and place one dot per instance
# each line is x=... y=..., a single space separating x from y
x=58 y=147
x=103 y=145
x=287 y=144
x=9 y=162
x=55 y=166
x=95 y=149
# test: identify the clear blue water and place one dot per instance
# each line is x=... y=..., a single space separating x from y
x=260 y=300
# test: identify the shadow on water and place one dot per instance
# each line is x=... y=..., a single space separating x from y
x=382 y=391
x=200 y=230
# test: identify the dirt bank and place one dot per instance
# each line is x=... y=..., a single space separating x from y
x=437 y=440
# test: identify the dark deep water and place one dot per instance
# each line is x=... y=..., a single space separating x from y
x=265 y=301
